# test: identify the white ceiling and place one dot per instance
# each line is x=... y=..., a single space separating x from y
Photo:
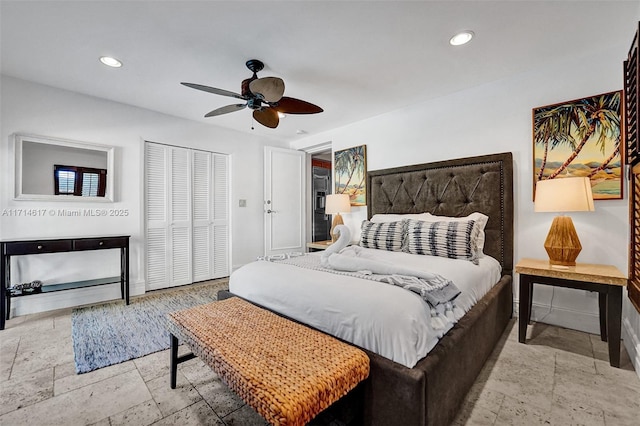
x=354 y=59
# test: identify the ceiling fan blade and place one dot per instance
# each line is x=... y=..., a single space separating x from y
x=296 y=106
x=270 y=88
x=214 y=90
x=226 y=109
x=267 y=117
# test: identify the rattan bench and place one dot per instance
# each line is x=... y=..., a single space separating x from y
x=287 y=372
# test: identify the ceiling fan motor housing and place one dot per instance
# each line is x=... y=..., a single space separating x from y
x=254 y=103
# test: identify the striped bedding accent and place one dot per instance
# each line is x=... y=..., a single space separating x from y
x=454 y=240
x=383 y=236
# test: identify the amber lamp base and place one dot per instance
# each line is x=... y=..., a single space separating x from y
x=337 y=220
x=562 y=243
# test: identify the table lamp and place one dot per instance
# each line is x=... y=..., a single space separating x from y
x=337 y=203
x=563 y=195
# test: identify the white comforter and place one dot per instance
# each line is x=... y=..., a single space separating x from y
x=385 y=319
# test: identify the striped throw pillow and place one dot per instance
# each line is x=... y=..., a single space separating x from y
x=455 y=240
x=382 y=236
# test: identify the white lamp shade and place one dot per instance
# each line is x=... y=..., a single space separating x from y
x=564 y=195
x=337 y=203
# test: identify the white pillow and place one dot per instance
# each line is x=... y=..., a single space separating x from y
x=384 y=218
x=480 y=219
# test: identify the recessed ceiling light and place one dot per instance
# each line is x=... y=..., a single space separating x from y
x=463 y=37
x=301 y=132
x=110 y=62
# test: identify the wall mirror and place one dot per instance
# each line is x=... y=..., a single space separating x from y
x=62 y=170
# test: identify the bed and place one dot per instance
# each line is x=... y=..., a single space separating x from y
x=431 y=389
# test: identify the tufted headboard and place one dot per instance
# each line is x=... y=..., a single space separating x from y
x=453 y=188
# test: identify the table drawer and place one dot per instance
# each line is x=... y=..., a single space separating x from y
x=34 y=247
x=99 y=243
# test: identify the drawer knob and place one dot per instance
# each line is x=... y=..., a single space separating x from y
x=101 y=243
x=39 y=247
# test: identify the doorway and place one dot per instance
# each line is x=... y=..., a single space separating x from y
x=321 y=186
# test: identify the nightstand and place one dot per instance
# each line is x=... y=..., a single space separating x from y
x=318 y=245
x=607 y=280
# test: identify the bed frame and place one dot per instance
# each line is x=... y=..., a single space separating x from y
x=432 y=392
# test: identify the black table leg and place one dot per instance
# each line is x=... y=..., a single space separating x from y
x=3 y=290
x=173 y=362
x=602 y=306
x=126 y=273
x=526 y=285
x=614 y=323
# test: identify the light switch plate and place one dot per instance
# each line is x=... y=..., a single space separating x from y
x=242 y=203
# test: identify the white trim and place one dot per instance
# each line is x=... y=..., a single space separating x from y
x=631 y=343
x=19 y=138
x=318 y=148
x=587 y=322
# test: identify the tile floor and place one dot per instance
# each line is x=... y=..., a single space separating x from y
x=559 y=377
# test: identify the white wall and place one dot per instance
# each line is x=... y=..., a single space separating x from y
x=493 y=118
x=41 y=110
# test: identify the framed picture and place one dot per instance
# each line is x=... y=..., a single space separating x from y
x=581 y=138
x=350 y=168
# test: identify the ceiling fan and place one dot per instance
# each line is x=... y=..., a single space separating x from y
x=263 y=96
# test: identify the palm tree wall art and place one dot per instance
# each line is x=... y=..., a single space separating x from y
x=350 y=168
x=580 y=138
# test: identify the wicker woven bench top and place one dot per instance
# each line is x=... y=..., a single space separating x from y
x=287 y=372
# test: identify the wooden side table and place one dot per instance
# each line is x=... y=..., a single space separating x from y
x=607 y=280
x=319 y=245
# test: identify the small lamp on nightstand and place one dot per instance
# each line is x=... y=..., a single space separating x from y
x=337 y=203
x=563 y=195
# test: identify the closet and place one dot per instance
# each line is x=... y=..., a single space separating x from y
x=186 y=215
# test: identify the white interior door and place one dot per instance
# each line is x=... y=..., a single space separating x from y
x=284 y=207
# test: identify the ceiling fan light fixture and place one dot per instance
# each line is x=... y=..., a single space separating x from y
x=463 y=37
x=281 y=115
x=110 y=61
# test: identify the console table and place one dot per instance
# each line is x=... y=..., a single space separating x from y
x=607 y=280
x=60 y=245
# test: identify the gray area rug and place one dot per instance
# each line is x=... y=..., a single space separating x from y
x=112 y=333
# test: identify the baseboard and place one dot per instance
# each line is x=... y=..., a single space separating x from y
x=562 y=317
x=138 y=288
x=631 y=343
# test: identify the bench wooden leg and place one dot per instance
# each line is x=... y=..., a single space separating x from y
x=174 y=360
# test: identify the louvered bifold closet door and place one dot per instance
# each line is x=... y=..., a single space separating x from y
x=168 y=216
x=202 y=216
x=156 y=172
x=180 y=220
x=187 y=215
x=220 y=223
